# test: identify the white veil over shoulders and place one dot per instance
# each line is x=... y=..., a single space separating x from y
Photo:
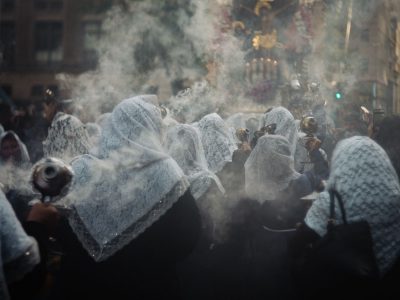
x=363 y=175
x=15 y=246
x=285 y=125
x=218 y=141
x=24 y=159
x=67 y=138
x=130 y=183
x=184 y=145
x=269 y=168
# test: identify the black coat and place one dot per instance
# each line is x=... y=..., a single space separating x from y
x=144 y=269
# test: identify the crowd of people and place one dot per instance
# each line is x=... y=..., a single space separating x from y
x=216 y=209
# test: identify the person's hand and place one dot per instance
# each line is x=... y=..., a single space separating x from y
x=312 y=144
x=45 y=214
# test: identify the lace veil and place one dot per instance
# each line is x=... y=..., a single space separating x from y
x=218 y=141
x=129 y=185
x=269 y=168
x=67 y=138
x=365 y=178
x=184 y=145
x=285 y=125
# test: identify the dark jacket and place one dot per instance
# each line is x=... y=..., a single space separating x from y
x=144 y=269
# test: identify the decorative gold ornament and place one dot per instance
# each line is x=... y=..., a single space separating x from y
x=266 y=41
x=262 y=4
x=238 y=24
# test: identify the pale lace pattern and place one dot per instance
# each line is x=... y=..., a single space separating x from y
x=218 y=141
x=1 y=129
x=94 y=132
x=184 y=145
x=67 y=138
x=363 y=175
x=269 y=168
x=129 y=185
x=285 y=125
x=24 y=161
x=15 y=245
x=14 y=174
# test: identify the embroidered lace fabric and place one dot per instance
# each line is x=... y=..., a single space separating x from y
x=285 y=125
x=67 y=138
x=24 y=160
x=363 y=175
x=184 y=145
x=14 y=244
x=129 y=185
x=269 y=168
x=15 y=174
x=218 y=141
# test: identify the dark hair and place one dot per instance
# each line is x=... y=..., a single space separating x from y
x=388 y=136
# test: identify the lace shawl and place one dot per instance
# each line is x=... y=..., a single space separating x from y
x=218 y=141
x=24 y=161
x=285 y=125
x=269 y=168
x=14 y=244
x=363 y=175
x=184 y=145
x=67 y=138
x=15 y=174
x=129 y=185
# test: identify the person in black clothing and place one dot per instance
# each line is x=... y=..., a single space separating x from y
x=131 y=215
x=253 y=262
x=362 y=174
x=24 y=254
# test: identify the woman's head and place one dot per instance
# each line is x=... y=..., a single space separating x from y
x=270 y=168
x=284 y=124
x=218 y=141
x=10 y=149
x=184 y=145
x=67 y=138
x=361 y=165
x=135 y=126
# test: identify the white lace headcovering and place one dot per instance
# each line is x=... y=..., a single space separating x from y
x=128 y=186
x=67 y=138
x=285 y=125
x=363 y=175
x=184 y=145
x=218 y=141
x=269 y=168
x=25 y=160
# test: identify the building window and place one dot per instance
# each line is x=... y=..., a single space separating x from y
x=7 y=5
x=48 y=42
x=7 y=43
x=91 y=37
x=48 y=5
